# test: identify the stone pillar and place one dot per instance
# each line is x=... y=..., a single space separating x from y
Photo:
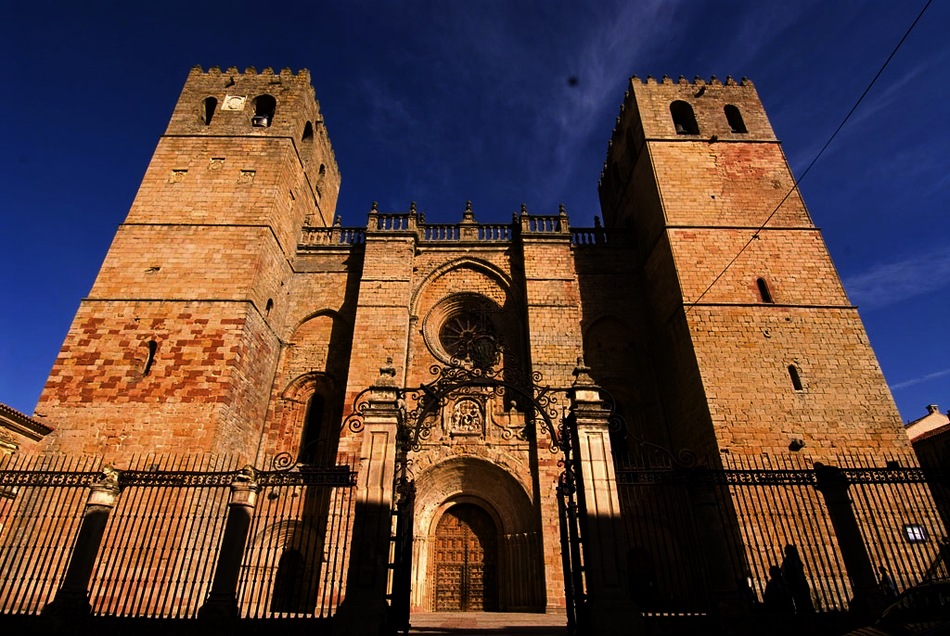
x=609 y=607
x=364 y=610
x=833 y=485
x=72 y=598
x=222 y=599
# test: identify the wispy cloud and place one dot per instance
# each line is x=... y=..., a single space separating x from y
x=888 y=283
x=920 y=380
x=606 y=55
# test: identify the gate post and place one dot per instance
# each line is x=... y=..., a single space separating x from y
x=609 y=608
x=834 y=486
x=364 y=609
x=222 y=599
x=72 y=598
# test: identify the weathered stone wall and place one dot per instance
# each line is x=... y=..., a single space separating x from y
x=727 y=345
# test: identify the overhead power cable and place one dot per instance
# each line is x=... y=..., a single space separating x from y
x=794 y=187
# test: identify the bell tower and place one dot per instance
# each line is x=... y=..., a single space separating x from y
x=757 y=347
x=177 y=342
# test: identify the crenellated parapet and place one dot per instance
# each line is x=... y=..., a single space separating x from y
x=262 y=105
x=665 y=109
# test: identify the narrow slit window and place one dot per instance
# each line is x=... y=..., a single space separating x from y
x=312 y=430
x=151 y=347
x=765 y=294
x=734 y=117
x=269 y=306
x=210 y=105
x=684 y=121
x=795 y=377
x=307 y=132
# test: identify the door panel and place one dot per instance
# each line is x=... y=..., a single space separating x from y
x=466 y=557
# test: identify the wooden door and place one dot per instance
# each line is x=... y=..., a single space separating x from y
x=466 y=557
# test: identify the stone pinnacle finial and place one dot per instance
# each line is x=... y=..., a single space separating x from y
x=524 y=209
x=108 y=478
x=468 y=216
x=560 y=210
x=582 y=374
x=387 y=374
x=246 y=475
x=375 y=206
x=412 y=207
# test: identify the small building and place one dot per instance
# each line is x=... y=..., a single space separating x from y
x=18 y=430
x=930 y=437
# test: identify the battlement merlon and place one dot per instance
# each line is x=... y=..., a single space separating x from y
x=708 y=100
x=720 y=111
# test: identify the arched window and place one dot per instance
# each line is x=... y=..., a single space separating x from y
x=307 y=133
x=310 y=440
x=795 y=377
x=734 y=117
x=765 y=294
x=684 y=121
x=264 y=108
x=289 y=584
x=210 y=105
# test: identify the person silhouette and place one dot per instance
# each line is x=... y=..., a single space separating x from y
x=888 y=587
x=777 y=598
x=793 y=570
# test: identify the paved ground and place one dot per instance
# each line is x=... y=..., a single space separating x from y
x=488 y=623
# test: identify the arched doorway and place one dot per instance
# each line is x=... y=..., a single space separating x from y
x=466 y=560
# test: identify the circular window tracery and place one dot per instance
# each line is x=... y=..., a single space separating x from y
x=467 y=335
x=461 y=330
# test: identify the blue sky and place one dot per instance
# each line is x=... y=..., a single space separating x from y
x=441 y=102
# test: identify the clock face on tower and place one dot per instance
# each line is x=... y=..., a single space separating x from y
x=233 y=102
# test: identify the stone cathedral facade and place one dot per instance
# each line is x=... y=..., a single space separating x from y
x=237 y=314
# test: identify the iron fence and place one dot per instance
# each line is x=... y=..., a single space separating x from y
x=763 y=505
x=162 y=539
